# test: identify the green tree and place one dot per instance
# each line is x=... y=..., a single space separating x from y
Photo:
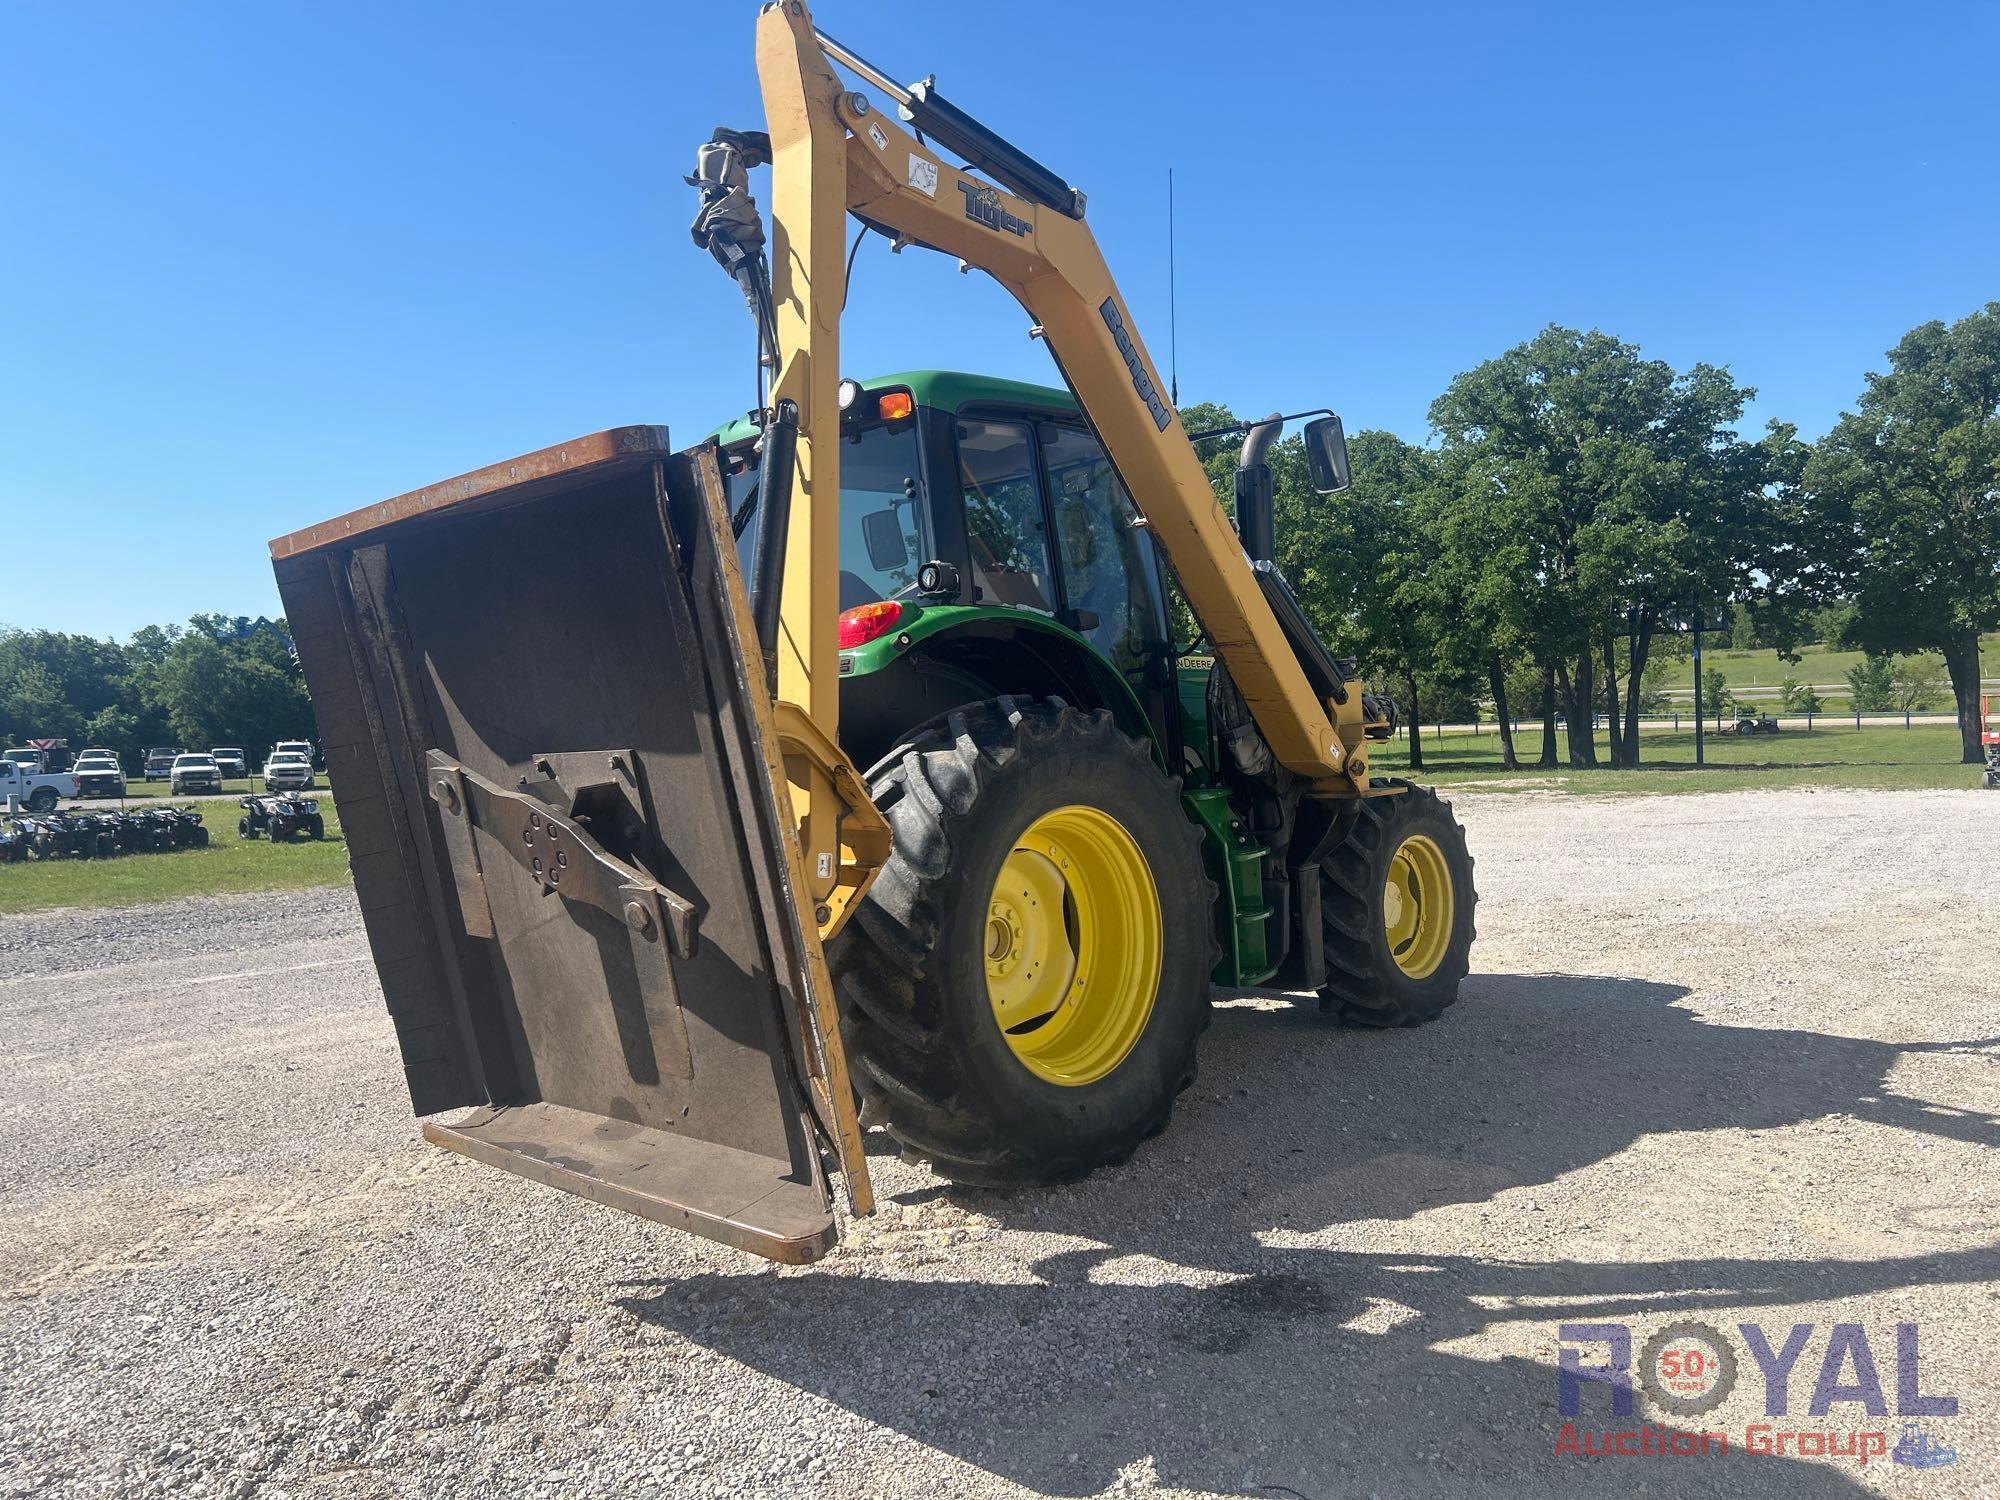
x=1796 y=697
x=1871 y=684
x=1631 y=496
x=1715 y=695
x=1916 y=683
x=1909 y=489
x=114 y=729
x=35 y=707
x=1652 y=697
x=1403 y=616
x=230 y=694
x=1829 y=623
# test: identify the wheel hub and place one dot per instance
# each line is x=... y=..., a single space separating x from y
x=1073 y=941
x=1418 y=905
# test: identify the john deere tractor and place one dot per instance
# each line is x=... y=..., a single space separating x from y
x=847 y=757
x=1089 y=831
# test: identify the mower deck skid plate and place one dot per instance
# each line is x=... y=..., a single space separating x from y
x=556 y=777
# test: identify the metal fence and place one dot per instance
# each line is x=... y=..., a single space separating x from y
x=1675 y=723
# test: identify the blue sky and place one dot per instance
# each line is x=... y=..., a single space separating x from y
x=262 y=264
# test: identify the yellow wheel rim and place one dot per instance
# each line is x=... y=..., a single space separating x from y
x=1072 y=942
x=1417 y=906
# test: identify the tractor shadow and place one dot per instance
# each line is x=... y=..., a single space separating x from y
x=1287 y=1381
x=1311 y=1371
x=1298 y=1123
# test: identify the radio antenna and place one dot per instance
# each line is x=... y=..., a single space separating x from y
x=1173 y=312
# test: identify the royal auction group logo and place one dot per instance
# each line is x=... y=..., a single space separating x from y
x=1688 y=1368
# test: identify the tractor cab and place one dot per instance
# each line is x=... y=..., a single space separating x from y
x=987 y=546
x=989 y=550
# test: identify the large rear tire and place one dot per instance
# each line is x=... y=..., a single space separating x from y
x=1397 y=901
x=1023 y=988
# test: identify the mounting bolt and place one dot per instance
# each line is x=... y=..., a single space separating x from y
x=618 y=765
x=639 y=919
x=822 y=915
x=447 y=794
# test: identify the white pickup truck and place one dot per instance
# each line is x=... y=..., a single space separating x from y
x=37 y=791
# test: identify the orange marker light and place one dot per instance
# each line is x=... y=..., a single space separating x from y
x=895 y=406
x=865 y=622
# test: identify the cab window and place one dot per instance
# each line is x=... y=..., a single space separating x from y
x=879 y=478
x=1004 y=530
x=1108 y=569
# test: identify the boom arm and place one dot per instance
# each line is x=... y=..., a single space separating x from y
x=833 y=154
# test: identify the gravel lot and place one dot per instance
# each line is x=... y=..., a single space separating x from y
x=1725 y=1057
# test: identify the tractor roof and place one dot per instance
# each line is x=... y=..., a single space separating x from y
x=947 y=390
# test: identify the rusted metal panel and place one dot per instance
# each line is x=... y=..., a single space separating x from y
x=516 y=480
x=527 y=672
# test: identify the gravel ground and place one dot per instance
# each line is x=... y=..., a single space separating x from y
x=1724 y=1057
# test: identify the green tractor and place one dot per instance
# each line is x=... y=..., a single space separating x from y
x=1089 y=830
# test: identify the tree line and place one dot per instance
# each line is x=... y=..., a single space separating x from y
x=219 y=680
x=1576 y=507
x=1579 y=505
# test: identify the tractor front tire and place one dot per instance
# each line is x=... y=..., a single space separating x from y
x=1397 y=902
x=1024 y=985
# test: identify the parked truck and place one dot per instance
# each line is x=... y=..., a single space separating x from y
x=36 y=790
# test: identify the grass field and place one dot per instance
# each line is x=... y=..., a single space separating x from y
x=236 y=786
x=1762 y=669
x=1922 y=757
x=227 y=864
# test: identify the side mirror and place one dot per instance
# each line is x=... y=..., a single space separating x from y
x=882 y=534
x=1326 y=454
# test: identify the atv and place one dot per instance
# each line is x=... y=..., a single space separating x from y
x=144 y=832
x=78 y=835
x=280 y=818
x=184 y=827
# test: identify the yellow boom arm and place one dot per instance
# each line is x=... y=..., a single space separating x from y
x=833 y=153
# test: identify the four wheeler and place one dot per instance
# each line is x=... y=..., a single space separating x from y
x=280 y=818
x=76 y=834
x=855 y=744
x=157 y=830
x=145 y=832
x=186 y=827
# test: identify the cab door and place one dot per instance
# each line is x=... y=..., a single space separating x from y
x=1108 y=568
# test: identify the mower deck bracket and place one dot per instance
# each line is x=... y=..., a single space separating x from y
x=563 y=859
